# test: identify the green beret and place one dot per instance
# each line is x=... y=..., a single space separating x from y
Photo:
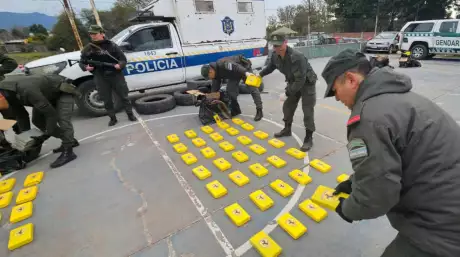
x=205 y=70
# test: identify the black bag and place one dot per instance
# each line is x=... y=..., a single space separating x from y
x=212 y=104
x=12 y=159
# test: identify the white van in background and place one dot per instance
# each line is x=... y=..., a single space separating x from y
x=171 y=44
x=428 y=38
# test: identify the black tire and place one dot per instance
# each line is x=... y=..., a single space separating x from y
x=244 y=89
x=421 y=52
x=196 y=83
x=155 y=104
x=90 y=103
x=184 y=99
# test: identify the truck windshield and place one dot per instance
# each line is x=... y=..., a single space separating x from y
x=120 y=35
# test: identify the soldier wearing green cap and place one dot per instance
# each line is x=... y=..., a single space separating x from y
x=301 y=81
x=52 y=102
x=107 y=79
x=404 y=153
x=233 y=68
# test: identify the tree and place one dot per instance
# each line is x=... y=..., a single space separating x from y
x=137 y=4
x=38 y=29
x=287 y=14
x=17 y=33
x=63 y=34
x=273 y=24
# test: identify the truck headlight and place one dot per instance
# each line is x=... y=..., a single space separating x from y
x=54 y=68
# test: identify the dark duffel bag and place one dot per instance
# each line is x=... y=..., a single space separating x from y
x=12 y=159
x=213 y=104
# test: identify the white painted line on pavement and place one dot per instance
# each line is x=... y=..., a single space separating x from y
x=292 y=202
x=215 y=229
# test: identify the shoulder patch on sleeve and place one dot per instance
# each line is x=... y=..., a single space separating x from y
x=357 y=148
x=353 y=120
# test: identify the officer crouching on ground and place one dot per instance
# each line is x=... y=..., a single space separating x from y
x=7 y=65
x=53 y=106
x=107 y=79
x=235 y=69
x=404 y=150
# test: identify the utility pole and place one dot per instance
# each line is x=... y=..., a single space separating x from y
x=72 y=23
x=96 y=14
x=377 y=17
x=308 y=19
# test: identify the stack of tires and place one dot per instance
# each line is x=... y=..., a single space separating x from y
x=155 y=104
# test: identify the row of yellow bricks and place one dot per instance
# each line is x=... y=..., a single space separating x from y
x=155 y=57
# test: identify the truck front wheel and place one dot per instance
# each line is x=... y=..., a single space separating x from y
x=419 y=52
x=90 y=103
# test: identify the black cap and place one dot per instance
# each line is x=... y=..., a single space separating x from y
x=338 y=65
x=205 y=70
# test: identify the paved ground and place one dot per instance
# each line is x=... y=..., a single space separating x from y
x=130 y=194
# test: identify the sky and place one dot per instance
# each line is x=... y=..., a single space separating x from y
x=53 y=7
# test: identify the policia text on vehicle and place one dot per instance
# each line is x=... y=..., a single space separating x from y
x=404 y=152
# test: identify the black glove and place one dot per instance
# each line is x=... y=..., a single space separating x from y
x=339 y=210
x=344 y=187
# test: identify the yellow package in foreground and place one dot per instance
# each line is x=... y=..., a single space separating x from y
x=324 y=197
x=253 y=81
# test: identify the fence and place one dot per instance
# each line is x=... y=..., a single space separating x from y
x=319 y=51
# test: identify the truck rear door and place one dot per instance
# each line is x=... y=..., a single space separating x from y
x=154 y=57
x=446 y=37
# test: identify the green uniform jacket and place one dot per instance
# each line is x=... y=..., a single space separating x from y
x=404 y=150
x=7 y=65
x=37 y=91
x=102 y=53
x=232 y=68
x=296 y=69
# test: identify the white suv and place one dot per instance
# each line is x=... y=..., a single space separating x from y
x=428 y=38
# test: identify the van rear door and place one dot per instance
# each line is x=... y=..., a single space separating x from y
x=446 y=37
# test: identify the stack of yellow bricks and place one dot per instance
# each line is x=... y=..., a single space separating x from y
x=23 y=210
x=265 y=245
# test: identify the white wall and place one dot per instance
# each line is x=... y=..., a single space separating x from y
x=201 y=27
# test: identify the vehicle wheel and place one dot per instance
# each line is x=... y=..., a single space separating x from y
x=244 y=89
x=184 y=99
x=91 y=104
x=155 y=104
x=419 y=52
x=205 y=90
x=196 y=83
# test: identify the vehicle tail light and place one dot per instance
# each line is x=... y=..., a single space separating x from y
x=266 y=50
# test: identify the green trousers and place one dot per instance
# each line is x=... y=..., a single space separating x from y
x=65 y=107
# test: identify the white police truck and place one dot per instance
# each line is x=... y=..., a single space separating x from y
x=173 y=41
x=428 y=38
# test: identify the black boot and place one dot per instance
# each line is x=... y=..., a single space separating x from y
x=61 y=148
x=285 y=132
x=259 y=114
x=113 y=121
x=307 y=142
x=66 y=156
x=131 y=116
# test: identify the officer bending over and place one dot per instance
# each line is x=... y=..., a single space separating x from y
x=107 y=79
x=301 y=80
x=404 y=150
x=53 y=104
x=235 y=69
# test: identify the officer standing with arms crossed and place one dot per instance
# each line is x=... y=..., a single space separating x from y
x=107 y=79
x=404 y=151
x=301 y=80
x=233 y=68
x=53 y=105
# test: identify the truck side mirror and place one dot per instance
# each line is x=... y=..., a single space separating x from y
x=126 y=46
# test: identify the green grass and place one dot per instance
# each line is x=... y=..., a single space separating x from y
x=23 y=58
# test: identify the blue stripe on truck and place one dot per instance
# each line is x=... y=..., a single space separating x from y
x=134 y=68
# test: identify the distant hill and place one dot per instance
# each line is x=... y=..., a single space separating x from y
x=9 y=20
